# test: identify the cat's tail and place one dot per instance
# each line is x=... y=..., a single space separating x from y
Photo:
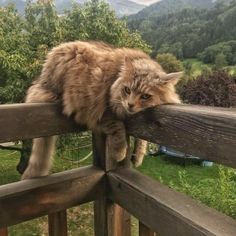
x=40 y=161
x=41 y=157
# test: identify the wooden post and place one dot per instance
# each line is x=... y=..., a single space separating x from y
x=57 y=224
x=109 y=218
x=3 y=232
x=145 y=231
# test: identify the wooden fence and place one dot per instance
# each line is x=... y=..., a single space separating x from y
x=116 y=189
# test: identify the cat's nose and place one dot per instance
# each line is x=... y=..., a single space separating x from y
x=130 y=105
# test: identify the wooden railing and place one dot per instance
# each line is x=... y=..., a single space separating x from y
x=116 y=189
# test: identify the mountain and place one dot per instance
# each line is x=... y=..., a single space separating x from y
x=121 y=7
x=170 y=6
x=187 y=32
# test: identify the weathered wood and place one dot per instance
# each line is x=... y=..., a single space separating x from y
x=164 y=210
x=3 y=232
x=109 y=218
x=57 y=224
x=145 y=231
x=206 y=132
x=32 y=198
x=25 y=121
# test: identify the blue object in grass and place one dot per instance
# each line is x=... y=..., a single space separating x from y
x=173 y=153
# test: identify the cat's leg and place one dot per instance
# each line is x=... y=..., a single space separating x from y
x=117 y=135
x=41 y=157
x=43 y=148
x=140 y=148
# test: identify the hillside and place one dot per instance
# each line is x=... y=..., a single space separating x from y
x=170 y=6
x=122 y=7
x=190 y=31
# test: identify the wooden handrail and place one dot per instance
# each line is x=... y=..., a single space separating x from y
x=207 y=132
x=32 y=198
x=164 y=210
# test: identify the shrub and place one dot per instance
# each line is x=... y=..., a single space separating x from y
x=212 y=89
x=169 y=62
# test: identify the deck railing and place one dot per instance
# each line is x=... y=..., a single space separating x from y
x=116 y=189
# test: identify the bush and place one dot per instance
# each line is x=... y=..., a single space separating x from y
x=169 y=62
x=212 y=89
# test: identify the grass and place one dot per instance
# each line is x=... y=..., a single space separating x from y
x=199 y=66
x=80 y=219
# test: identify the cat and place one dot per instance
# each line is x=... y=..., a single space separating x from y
x=99 y=85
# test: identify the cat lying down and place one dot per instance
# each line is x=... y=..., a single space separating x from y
x=99 y=85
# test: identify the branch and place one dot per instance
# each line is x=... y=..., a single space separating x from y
x=11 y=148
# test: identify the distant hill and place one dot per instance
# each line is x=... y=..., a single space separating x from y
x=122 y=7
x=189 y=31
x=171 y=6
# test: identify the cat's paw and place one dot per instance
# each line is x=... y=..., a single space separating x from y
x=137 y=160
x=33 y=172
x=119 y=154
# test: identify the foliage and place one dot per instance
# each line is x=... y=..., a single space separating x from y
x=228 y=49
x=94 y=21
x=24 y=41
x=185 y=32
x=169 y=62
x=214 y=89
x=220 y=194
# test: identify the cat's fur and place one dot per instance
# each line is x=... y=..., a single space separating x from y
x=99 y=86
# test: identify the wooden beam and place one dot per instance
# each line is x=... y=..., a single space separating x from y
x=57 y=224
x=4 y=232
x=145 y=231
x=25 y=121
x=205 y=132
x=163 y=210
x=32 y=198
x=109 y=218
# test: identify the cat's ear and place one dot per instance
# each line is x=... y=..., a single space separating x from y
x=129 y=68
x=171 y=78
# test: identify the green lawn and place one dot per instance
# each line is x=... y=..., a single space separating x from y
x=198 y=182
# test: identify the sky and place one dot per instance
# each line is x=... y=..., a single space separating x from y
x=145 y=2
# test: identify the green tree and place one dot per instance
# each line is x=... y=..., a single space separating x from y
x=95 y=20
x=169 y=62
x=220 y=61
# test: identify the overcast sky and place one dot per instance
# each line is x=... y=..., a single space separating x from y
x=145 y=2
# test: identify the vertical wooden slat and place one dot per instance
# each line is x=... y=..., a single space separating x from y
x=3 y=232
x=57 y=224
x=145 y=231
x=109 y=218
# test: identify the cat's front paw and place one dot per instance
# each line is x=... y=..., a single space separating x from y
x=119 y=153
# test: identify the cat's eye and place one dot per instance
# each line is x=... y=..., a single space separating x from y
x=145 y=96
x=127 y=90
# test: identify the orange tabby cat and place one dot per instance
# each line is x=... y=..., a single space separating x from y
x=100 y=86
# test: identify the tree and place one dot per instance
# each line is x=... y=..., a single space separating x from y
x=220 y=61
x=169 y=62
x=95 y=20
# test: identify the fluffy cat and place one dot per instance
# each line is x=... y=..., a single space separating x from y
x=99 y=86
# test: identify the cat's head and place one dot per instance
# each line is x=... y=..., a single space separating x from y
x=142 y=84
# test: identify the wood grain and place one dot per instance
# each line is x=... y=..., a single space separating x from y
x=206 y=132
x=163 y=210
x=32 y=198
x=57 y=224
x=145 y=231
x=3 y=232
x=109 y=218
x=25 y=121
